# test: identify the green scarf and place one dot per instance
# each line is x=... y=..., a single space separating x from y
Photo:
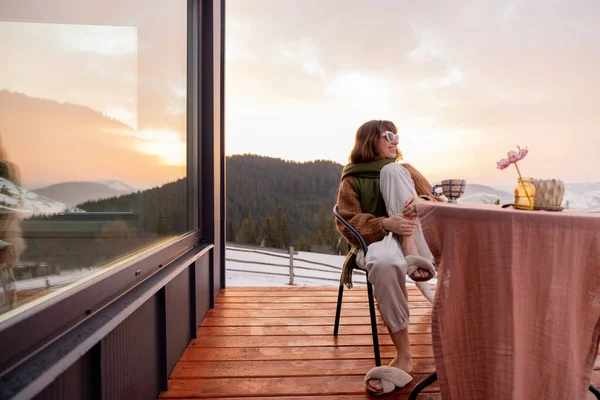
x=366 y=184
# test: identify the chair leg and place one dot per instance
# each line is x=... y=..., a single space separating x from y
x=338 y=310
x=595 y=391
x=422 y=385
x=373 y=323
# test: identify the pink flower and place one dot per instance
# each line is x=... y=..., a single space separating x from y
x=505 y=162
x=513 y=157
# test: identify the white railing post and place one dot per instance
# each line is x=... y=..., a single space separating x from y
x=291 y=279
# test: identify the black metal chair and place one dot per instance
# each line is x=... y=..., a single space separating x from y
x=338 y=310
x=428 y=380
x=595 y=391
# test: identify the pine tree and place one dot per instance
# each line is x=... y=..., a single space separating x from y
x=229 y=231
x=269 y=235
x=302 y=244
x=249 y=231
x=325 y=233
x=161 y=226
x=281 y=227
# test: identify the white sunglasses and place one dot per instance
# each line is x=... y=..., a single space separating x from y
x=392 y=137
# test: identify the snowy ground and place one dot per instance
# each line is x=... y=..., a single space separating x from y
x=245 y=267
x=587 y=201
x=53 y=280
x=256 y=272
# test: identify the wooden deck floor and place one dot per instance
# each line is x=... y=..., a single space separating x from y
x=277 y=343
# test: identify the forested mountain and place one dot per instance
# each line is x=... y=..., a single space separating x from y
x=270 y=202
x=162 y=210
x=306 y=192
x=102 y=230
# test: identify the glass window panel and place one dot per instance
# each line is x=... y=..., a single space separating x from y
x=92 y=139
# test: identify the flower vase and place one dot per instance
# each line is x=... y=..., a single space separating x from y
x=525 y=194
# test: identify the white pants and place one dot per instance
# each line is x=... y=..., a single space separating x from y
x=385 y=259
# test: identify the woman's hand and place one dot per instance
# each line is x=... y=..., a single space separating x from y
x=410 y=209
x=400 y=225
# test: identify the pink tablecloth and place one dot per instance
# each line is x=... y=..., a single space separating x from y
x=517 y=306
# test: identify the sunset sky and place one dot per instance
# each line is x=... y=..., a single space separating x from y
x=124 y=60
x=465 y=81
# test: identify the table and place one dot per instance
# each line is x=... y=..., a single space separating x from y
x=517 y=307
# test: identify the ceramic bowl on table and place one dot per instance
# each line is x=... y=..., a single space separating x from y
x=453 y=189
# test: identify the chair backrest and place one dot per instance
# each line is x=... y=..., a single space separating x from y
x=361 y=240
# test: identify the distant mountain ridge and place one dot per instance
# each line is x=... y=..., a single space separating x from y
x=474 y=188
x=59 y=141
x=15 y=198
x=21 y=103
x=118 y=186
x=582 y=187
x=73 y=193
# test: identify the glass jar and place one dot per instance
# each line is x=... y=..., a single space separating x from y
x=525 y=194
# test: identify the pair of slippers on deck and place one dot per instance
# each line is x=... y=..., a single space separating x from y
x=390 y=379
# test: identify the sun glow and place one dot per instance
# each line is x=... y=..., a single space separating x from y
x=167 y=145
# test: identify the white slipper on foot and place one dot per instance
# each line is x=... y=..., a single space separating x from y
x=390 y=378
x=417 y=262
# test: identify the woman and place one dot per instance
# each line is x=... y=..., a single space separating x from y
x=12 y=244
x=377 y=197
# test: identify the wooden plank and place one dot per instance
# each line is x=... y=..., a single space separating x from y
x=299 y=341
x=309 y=306
x=268 y=386
x=306 y=295
x=286 y=368
x=289 y=289
x=296 y=353
x=300 y=330
x=364 y=312
x=285 y=293
x=300 y=299
x=281 y=288
x=391 y=396
x=313 y=321
x=298 y=293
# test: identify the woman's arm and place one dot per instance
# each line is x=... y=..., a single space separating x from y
x=369 y=226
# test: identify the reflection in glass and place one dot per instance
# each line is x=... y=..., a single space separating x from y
x=93 y=141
